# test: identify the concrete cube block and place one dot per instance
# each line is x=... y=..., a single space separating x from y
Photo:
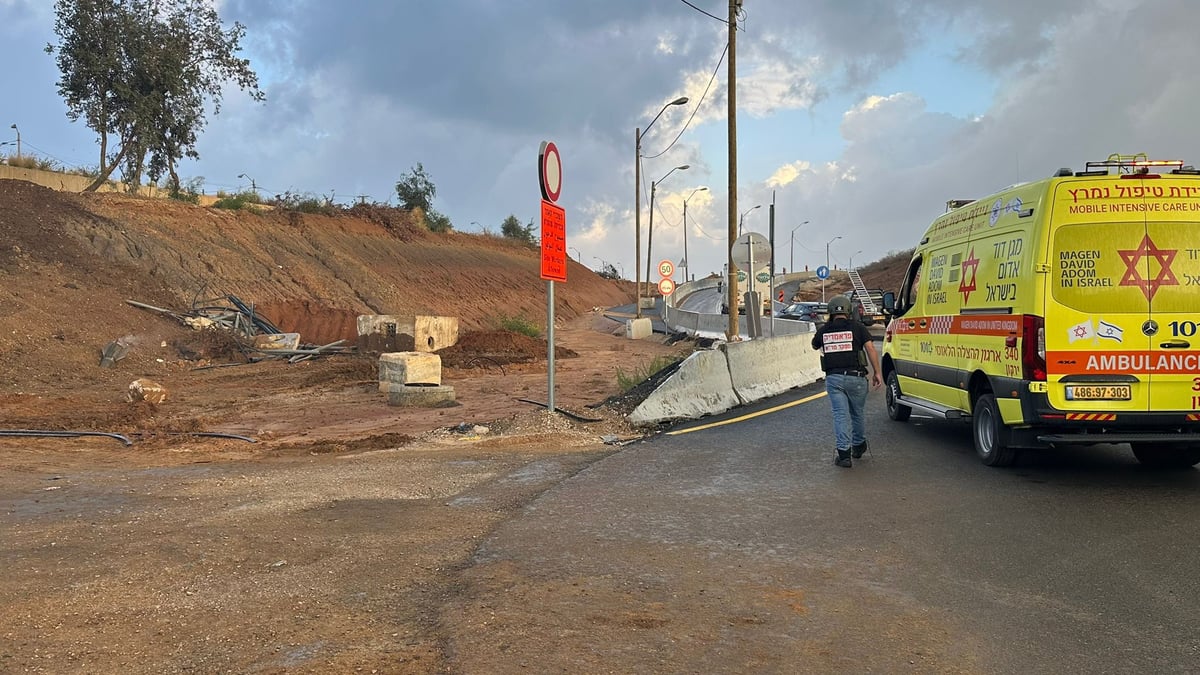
x=409 y=368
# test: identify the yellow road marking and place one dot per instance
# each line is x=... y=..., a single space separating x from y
x=746 y=417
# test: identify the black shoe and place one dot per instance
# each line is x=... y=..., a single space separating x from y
x=843 y=459
x=858 y=450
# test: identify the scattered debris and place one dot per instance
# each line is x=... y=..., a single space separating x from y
x=240 y=319
x=143 y=389
x=573 y=415
x=113 y=352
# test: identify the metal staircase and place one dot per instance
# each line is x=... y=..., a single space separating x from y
x=860 y=292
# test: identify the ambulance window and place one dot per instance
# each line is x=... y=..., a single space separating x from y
x=912 y=287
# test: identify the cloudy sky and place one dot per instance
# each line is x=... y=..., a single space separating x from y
x=858 y=119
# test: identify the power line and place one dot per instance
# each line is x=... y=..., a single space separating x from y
x=697 y=108
x=723 y=21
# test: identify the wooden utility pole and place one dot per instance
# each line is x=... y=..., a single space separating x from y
x=731 y=285
x=637 y=220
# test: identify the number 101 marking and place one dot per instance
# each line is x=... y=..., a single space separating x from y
x=1184 y=328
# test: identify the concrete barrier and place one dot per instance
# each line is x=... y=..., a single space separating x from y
x=711 y=382
x=701 y=386
x=637 y=329
x=429 y=333
x=764 y=368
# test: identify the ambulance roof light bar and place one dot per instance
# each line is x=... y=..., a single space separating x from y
x=1130 y=164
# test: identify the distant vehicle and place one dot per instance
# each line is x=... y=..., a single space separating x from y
x=884 y=303
x=742 y=287
x=816 y=312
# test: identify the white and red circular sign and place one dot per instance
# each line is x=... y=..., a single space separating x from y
x=550 y=171
x=666 y=286
x=666 y=268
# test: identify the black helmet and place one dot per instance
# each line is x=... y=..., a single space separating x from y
x=839 y=304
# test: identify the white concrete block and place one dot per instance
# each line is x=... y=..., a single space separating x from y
x=637 y=329
x=420 y=397
x=409 y=368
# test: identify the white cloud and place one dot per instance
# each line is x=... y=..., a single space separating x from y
x=358 y=93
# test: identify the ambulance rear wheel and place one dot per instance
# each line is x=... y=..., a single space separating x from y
x=991 y=436
x=896 y=410
x=1166 y=456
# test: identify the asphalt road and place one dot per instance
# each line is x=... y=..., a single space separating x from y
x=741 y=548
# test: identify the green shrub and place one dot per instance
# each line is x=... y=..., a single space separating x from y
x=32 y=162
x=438 y=222
x=237 y=202
x=291 y=201
x=520 y=325
x=643 y=372
x=188 y=192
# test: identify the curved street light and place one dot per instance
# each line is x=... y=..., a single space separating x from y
x=686 y=277
x=743 y=218
x=650 y=231
x=637 y=200
x=253 y=185
x=792 y=250
x=851 y=265
x=14 y=128
x=578 y=255
x=827 y=265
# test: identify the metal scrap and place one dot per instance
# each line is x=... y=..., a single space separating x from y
x=231 y=314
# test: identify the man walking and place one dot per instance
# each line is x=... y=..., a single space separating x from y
x=846 y=346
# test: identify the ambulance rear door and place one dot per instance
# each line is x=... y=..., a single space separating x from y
x=1166 y=267
x=1097 y=308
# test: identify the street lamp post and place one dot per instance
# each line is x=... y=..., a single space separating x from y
x=253 y=185
x=14 y=128
x=603 y=264
x=851 y=265
x=650 y=230
x=578 y=255
x=792 y=250
x=686 y=277
x=827 y=266
x=637 y=201
x=743 y=218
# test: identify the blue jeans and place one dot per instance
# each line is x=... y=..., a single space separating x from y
x=848 y=398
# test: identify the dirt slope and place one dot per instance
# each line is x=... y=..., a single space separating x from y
x=312 y=273
x=69 y=263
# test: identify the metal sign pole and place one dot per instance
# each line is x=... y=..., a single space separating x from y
x=550 y=345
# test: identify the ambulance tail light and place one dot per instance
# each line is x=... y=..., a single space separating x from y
x=1033 y=347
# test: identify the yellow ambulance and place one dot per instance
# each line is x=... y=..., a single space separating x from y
x=1061 y=311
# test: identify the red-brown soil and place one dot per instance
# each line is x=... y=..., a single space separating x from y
x=70 y=262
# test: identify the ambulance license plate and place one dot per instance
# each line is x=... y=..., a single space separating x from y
x=1098 y=392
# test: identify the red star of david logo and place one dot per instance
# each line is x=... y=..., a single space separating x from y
x=1133 y=276
x=1081 y=332
x=973 y=263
